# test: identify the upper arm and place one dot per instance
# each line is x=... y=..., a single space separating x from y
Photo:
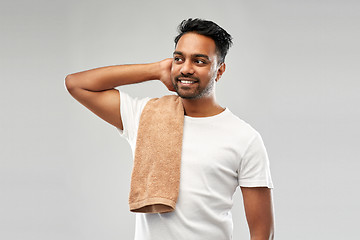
x=258 y=207
x=105 y=104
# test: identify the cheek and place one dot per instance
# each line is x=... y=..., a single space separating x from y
x=209 y=73
x=214 y=71
x=173 y=71
x=172 y=74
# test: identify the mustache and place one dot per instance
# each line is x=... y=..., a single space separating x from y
x=186 y=76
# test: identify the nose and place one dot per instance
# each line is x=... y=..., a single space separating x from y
x=187 y=68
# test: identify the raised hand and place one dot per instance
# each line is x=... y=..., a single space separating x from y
x=165 y=69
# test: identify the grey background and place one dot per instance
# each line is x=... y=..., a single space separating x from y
x=293 y=74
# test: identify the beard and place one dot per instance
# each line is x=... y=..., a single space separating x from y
x=191 y=92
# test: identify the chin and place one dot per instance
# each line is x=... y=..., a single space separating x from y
x=189 y=95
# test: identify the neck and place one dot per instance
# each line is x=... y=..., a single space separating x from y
x=202 y=107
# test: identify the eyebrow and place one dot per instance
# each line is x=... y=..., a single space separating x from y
x=194 y=55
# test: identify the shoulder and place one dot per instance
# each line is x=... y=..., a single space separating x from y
x=130 y=103
x=128 y=97
x=240 y=126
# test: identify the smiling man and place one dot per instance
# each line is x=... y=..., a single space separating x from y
x=202 y=57
x=219 y=151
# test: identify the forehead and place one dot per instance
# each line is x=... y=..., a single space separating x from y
x=193 y=43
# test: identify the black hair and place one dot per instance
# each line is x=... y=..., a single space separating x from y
x=222 y=39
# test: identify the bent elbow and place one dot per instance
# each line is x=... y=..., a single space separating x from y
x=70 y=82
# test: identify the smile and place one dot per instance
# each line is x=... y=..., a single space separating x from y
x=187 y=81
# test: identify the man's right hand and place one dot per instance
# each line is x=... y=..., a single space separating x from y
x=95 y=88
x=165 y=69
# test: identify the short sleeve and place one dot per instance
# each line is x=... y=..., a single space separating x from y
x=254 y=169
x=130 y=110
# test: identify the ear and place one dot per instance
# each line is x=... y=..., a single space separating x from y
x=220 y=71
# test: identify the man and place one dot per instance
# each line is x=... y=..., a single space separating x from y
x=219 y=152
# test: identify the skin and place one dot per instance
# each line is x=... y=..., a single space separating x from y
x=194 y=59
x=259 y=212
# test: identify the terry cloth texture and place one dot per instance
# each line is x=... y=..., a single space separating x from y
x=155 y=177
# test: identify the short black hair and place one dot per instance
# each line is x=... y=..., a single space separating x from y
x=222 y=39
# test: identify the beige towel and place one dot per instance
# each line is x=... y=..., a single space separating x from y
x=155 y=177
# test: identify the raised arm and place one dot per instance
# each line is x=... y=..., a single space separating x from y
x=259 y=212
x=95 y=88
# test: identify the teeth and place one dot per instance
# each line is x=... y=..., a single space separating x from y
x=184 y=81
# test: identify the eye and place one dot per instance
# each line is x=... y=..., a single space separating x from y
x=178 y=59
x=200 y=61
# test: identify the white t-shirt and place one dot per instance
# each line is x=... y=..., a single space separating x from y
x=219 y=153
